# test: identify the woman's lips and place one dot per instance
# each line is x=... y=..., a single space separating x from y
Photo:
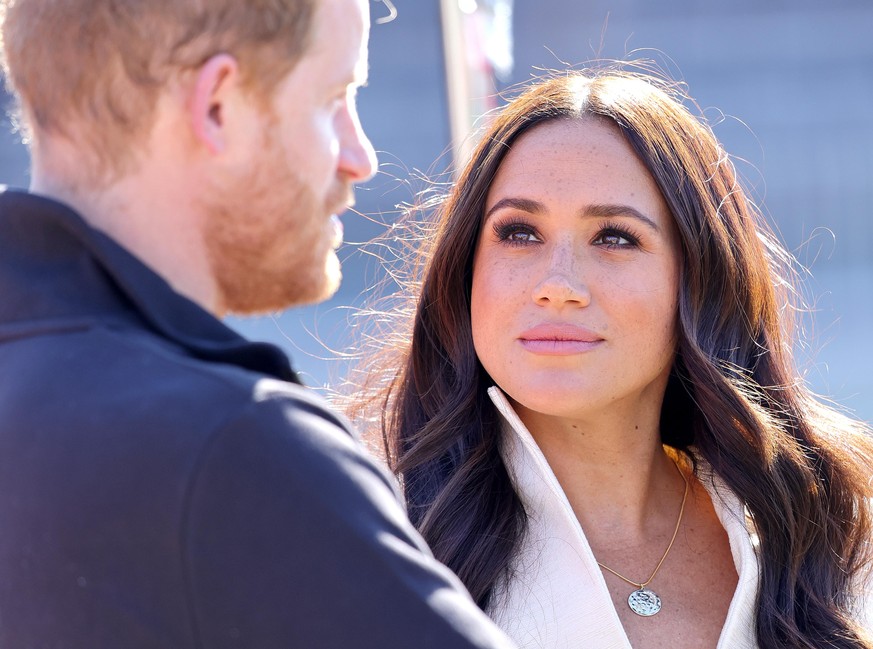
x=559 y=340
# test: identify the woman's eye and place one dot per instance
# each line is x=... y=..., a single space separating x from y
x=516 y=233
x=521 y=236
x=615 y=239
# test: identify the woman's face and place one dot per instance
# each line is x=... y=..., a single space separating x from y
x=575 y=276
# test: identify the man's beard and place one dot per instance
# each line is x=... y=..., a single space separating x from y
x=265 y=235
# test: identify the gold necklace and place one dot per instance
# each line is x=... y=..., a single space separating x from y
x=644 y=601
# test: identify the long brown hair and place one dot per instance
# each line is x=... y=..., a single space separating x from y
x=802 y=469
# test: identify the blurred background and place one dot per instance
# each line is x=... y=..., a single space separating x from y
x=787 y=85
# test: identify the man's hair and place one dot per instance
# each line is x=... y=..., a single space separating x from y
x=100 y=65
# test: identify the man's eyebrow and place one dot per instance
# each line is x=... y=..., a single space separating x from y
x=609 y=210
x=597 y=210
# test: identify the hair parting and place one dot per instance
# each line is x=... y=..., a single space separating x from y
x=734 y=397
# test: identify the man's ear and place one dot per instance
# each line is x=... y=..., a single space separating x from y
x=216 y=82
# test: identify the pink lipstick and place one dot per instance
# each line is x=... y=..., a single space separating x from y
x=559 y=339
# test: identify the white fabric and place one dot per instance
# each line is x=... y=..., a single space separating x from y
x=556 y=596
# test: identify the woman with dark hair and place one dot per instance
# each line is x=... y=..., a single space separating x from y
x=596 y=419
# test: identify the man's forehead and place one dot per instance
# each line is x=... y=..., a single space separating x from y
x=336 y=17
x=341 y=35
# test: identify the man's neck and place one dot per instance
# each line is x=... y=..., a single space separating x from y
x=144 y=213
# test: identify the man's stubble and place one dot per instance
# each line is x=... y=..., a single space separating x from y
x=268 y=239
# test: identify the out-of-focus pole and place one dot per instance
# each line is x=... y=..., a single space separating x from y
x=477 y=46
x=460 y=102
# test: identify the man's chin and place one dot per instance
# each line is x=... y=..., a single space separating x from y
x=326 y=290
x=281 y=289
x=332 y=277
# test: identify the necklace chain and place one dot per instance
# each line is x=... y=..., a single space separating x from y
x=669 y=547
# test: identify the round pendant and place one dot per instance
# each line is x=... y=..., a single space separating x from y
x=644 y=602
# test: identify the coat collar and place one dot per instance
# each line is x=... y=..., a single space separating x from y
x=57 y=272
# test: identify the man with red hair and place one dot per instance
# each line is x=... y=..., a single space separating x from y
x=165 y=483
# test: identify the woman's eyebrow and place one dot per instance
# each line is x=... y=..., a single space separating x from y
x=600 y=210
x=609 y=210
x=522 y=204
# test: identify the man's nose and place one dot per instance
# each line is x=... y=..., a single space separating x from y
x=357 y=158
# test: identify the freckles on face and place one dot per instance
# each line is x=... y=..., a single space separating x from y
x=575 y=276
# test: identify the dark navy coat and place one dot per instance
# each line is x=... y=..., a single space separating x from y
x=165 y=483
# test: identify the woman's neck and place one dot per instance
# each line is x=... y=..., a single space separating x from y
x=613 y=469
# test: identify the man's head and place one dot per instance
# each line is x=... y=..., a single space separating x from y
x=250 y=103
x=94 y=70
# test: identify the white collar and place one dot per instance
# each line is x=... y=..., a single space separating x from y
x=557 y=596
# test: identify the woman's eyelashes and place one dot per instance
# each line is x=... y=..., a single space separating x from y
x=613 y=236
x=609 y=235
x=515 y=232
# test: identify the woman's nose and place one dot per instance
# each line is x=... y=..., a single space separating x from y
x=562 y=283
